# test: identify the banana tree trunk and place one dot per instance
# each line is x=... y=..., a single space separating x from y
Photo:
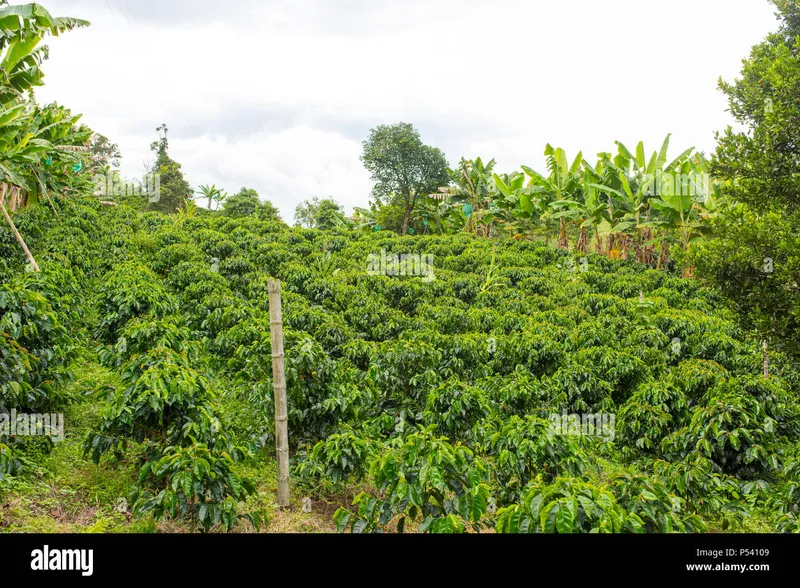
x=644 y=252
x=663 y=256
x=562 y=234
x=624 y=245
x=583 y=241
x=17 y=199
x=638 y=247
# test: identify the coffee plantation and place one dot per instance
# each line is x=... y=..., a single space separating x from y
x=609 y=346
x=415 y=404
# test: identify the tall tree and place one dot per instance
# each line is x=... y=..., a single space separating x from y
x=174 y=189
x=403 y=168
x=755 y=255
x=244 y=203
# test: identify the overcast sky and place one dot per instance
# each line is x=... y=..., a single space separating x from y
x=279 y=94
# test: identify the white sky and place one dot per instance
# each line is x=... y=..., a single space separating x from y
x=277 y=95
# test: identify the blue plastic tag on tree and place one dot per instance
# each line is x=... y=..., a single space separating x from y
x=410 y=231
x=49 y=160
x=77 y=167
x=467 y=210
x=377 y=228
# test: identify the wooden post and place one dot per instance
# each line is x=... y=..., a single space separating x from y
x=279 y=389
x=31 y=260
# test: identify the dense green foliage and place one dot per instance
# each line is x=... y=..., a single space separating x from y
x=754 y=257
x=431 y=400
x=246 y=202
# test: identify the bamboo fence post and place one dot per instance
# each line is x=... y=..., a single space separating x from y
x=31 y=260
x=279 y=389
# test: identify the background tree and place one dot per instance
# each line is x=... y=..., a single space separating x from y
x=754 y=257
x=174 y=188
x=244 y=203
x=319 y=214
x=403 y=168
x=103 y=154
x=247 y=202
x=268 y=211
x=330 y=215
x=305 y=214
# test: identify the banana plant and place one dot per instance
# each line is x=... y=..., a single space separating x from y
x=619 y=223
x=439 y=216
x=14 y=122
x=474 y=189
x=641 y=179
x=560 y=185
x=678 y=209
x=589 y=209
x=211 y=192
x=517 y=207
x=60 y=169
x=364 y=219
x=220 y=197
x=22 y=28
x=40 y=147
x=715 y=201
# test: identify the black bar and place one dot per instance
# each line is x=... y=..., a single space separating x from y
x=570 y=557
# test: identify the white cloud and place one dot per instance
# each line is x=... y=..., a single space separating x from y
x=278 y=95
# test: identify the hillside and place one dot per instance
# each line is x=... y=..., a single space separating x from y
x=444 y=396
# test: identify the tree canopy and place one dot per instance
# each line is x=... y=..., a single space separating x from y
x=247 y=202
x=319 y=214
x=402 y=167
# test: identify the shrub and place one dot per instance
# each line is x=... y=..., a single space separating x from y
x=424 y=478
x=131 y=291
